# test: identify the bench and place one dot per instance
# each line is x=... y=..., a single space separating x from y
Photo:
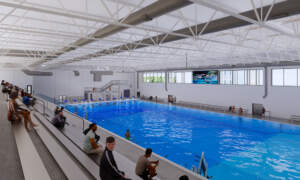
x=64 y=163
x=126 y=152
x=32 y=165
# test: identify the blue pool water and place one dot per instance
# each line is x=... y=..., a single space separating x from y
x=235 y=147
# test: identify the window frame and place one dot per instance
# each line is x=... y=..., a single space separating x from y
x=283 y=78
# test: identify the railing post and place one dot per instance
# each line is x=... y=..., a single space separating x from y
x=82 y=124
x=44 y=113
x=83 y=119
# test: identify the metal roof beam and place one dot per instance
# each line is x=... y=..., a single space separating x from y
x=279 y=10
x=145 y=14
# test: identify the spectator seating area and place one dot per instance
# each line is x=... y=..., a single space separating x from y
x=66 y=148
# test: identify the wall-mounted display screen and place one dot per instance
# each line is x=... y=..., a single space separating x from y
x=205 y=77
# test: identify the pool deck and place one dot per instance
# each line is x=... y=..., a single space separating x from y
x=272 y=119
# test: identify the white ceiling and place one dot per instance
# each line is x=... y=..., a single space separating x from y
x=38 y=29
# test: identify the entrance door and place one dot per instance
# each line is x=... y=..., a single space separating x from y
x=126 y=93
x=29 y=89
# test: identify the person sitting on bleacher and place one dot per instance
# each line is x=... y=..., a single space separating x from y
x=59 y=120
x=56 y=111
x=108 y=166
x=26 y=99
x=32 y=100
x=2 y=85
x=184 y=177
x=145 y=168
x=6 y=88
x=15 y=109
x=91 y=139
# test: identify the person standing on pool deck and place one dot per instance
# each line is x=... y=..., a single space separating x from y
x=108 y=166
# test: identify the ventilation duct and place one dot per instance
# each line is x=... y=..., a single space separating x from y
x=11 y=65
x=98 y=74
x=37 y=73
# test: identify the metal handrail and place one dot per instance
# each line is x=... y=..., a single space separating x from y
x=44 y=106
x=83 y=119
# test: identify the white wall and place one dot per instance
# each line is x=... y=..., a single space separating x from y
x=281 y=101
x=16 y=77
x=66 y=83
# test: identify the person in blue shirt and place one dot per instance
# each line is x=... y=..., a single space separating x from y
x=26 y=100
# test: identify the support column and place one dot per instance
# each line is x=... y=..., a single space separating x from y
x=166 y=80
x=266 y=83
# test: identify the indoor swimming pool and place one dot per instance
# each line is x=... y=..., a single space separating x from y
x=235 y=147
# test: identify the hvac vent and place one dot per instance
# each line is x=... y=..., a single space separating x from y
x=37 y=73
x=76 y=73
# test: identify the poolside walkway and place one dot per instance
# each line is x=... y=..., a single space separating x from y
x=273 y=119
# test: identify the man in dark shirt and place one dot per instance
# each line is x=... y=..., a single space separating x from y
x=59 y=120
x=108 y=166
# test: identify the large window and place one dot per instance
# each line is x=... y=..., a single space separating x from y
x=239 y=77
x=286 y=77
x=252 y=77
x=154 y=77
x=290 y=77
x=226 y=77
x=242 y=77
x=180 y=77
x=277 y=77
x=260 y=77
x=188 y=77
x=234 y=77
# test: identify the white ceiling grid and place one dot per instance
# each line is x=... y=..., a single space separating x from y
x=51 y=25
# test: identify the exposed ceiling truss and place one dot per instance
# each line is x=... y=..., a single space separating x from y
x=149 y=34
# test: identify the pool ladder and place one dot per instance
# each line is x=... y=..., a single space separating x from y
x=202 y=167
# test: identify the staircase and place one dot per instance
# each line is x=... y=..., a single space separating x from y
x=106 y=86
x=110 y=90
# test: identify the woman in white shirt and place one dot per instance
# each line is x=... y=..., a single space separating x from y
x=90 y=144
